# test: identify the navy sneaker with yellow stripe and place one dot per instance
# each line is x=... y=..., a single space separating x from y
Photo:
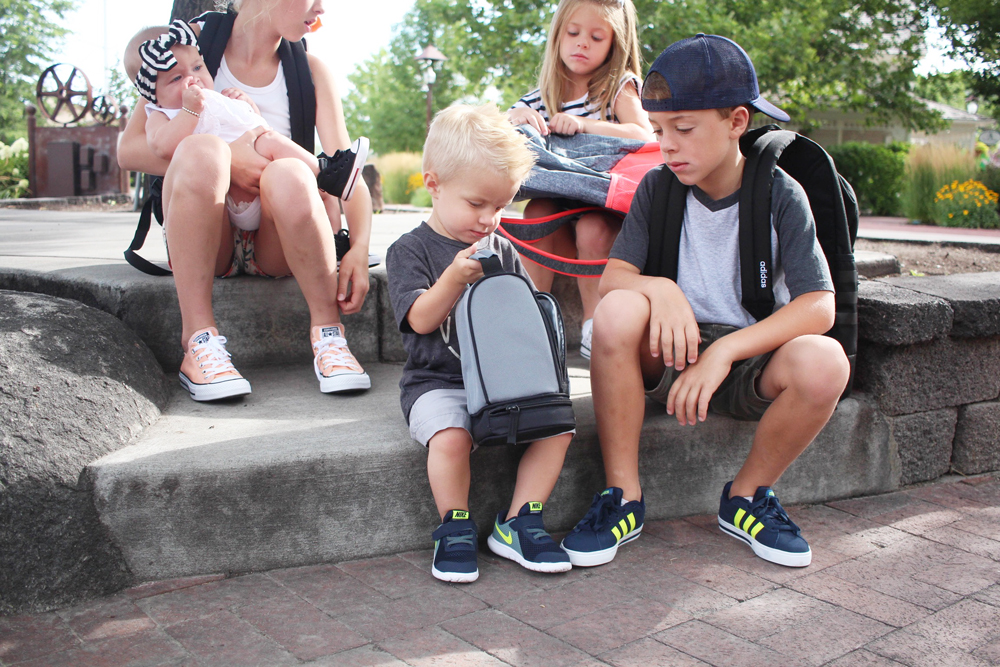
x=455 y=548
x=764 y=526
x=524 y=540
x=607 y=525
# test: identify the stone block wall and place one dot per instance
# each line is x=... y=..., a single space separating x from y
x=929 y=354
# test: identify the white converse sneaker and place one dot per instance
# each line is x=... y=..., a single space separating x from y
x=336 y=368
x=586 y=337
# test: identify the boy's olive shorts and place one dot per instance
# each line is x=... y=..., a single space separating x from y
x=737 y=395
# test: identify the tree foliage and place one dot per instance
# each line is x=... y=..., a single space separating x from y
x=29 y=34
x=973 y=29
x=809 y=54
x=492 y=55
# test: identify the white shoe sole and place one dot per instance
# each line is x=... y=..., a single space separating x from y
x=593 y=558
x=360 y=147
x=343 y=382
x=217 y=390
x=504 y=551
x=788 y=559
x=455 y=577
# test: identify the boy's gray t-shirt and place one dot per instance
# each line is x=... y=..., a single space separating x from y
x=413 y=263
x=708 y=263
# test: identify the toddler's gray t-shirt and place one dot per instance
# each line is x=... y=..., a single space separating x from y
x=708 y=263
x=414 y=263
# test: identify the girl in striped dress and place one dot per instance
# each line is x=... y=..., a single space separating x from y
x=589 y=83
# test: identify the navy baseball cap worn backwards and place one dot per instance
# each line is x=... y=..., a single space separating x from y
x=704 y=72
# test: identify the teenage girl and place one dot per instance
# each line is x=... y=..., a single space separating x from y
x=589 y=84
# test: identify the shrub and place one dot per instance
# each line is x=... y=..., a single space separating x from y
x=397 y=170
x=929 y=167
x=990 y=177
x=968 y=204
x=14 y=169
x=875 y=171
x=421 y=198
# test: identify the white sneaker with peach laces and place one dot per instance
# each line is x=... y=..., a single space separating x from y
x=336 y=368
x=207 y=371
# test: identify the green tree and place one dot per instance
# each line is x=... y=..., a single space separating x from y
x=29 y=35
x=809 y=54
x=951 y=88
x=973 y=29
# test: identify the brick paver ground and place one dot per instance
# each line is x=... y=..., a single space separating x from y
x=907 y=578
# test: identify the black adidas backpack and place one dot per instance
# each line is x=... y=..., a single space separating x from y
x=212 y=41
x=513 y=358
x=834 y=206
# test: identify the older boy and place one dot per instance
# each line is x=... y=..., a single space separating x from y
x=474 y=163
x=690 y=344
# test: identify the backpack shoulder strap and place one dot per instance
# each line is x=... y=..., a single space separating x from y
x=214 y=37
x=761 y=148
x=152 y=207
x=665 y=220
x=301 y=93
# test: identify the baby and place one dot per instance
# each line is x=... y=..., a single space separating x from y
x=169 y=72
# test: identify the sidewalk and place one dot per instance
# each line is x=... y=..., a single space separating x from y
x=907 y=578
x=51 y=240
x=901 y=229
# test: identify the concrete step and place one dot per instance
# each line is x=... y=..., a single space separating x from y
x=289 y=476
x=265 y=321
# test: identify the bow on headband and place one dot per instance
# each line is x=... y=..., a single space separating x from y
x=156 y=56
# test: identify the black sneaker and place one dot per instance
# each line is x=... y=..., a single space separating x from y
x=607 y=525
x=342 y=242
x=339 y=173
x=525 y=541
x=455 y=549
x=764 y=526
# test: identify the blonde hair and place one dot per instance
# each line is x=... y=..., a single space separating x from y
x=463 y=138
x=623 y=57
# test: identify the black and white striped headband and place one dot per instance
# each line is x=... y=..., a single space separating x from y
x=156 y=56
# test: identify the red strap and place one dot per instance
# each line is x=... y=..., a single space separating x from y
x=578 y=268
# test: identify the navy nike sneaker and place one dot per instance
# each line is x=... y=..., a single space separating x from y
x=524 y=540
x=456 y=548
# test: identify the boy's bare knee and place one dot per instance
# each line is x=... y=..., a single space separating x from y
x=622 y=310
x=818 y=367
x=451 y=442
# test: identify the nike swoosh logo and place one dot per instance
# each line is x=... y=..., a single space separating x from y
x=508 y=538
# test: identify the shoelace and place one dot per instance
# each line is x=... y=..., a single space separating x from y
x=459 y=539
x=333 y=352
x=598 y=515
x=218 y=359
x=770 y=512
x=537 y=534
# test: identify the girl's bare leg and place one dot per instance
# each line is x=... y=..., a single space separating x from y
x=199 y=238
x=295 y=237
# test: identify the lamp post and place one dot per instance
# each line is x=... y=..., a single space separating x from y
x=430 y=59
